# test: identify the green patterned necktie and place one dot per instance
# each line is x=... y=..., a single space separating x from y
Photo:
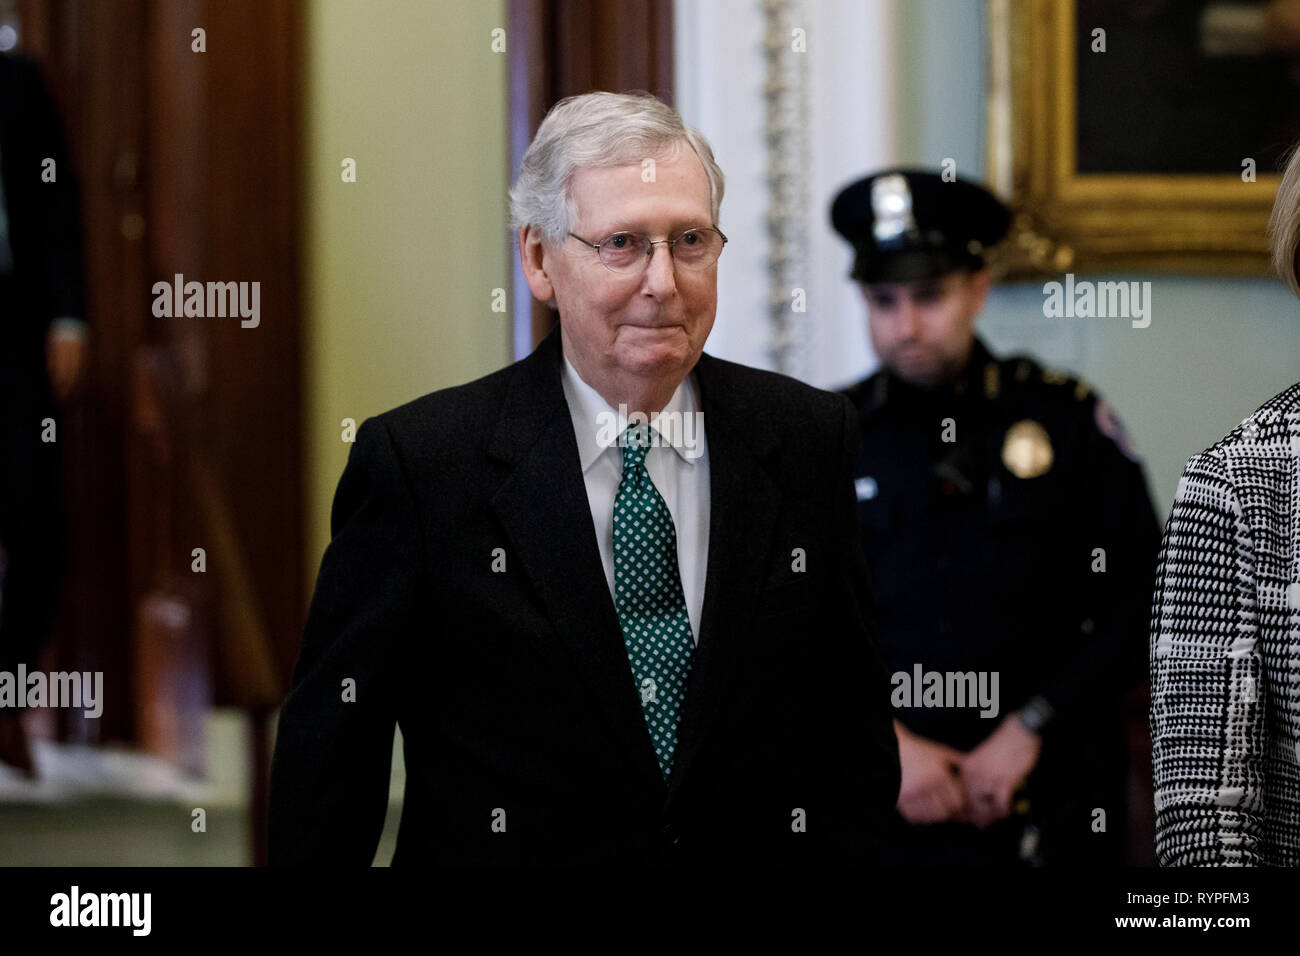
x=648 y=596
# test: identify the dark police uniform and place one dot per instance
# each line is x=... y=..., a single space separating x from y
x=1008 y=529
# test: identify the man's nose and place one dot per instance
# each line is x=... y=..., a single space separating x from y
x=661 y=276
x=909 y=323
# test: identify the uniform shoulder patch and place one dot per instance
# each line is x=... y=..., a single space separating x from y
x=1108 y=424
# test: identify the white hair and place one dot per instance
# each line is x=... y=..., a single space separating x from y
x=1284 y=224
x=598 y=129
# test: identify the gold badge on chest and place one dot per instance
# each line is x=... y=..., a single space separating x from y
x=1027 y=450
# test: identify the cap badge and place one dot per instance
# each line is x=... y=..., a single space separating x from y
x=891 y=205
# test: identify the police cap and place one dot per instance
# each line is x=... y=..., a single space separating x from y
x=909 y=224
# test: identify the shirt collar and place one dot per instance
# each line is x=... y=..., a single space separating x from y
x=594 y=420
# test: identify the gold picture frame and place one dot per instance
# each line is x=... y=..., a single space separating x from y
x=1112 y=222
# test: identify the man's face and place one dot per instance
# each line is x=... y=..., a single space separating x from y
x=650 y=326
x=923 y=331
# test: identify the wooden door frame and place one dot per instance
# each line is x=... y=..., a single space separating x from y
x=560 y=48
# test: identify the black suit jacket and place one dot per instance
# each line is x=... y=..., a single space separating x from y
x=523 y=731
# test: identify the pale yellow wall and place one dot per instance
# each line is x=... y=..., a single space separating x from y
x=400 y=265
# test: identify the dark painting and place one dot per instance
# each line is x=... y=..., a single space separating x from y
x=1186 y=86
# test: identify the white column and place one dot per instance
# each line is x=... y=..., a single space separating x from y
x=852 y=130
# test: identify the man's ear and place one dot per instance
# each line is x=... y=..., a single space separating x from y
x=533 y=259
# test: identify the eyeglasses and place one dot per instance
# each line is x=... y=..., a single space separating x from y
x=629 y=253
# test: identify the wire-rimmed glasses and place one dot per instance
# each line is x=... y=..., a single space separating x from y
x=629 y=253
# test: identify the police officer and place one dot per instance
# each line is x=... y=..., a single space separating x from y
x=1012 y=545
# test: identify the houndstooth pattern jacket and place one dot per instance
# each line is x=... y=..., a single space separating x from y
x=1225 y=651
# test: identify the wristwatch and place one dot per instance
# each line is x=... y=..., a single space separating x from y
x=1035 y=714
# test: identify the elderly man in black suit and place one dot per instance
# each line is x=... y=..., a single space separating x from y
x=612 y=593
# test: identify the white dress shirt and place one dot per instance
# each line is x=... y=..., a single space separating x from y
x=680 y=473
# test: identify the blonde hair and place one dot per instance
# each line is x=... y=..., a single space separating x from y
x=1284 y=224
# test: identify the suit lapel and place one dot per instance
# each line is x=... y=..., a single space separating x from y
x=743 y=504
x=544 y=510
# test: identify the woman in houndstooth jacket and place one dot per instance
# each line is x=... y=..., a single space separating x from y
x=1225 y=631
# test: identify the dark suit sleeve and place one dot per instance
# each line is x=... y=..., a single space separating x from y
x=330 y=774
x=867 y=696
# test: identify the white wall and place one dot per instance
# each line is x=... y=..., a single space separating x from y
x=719 y=89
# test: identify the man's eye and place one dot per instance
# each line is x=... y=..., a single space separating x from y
x=620 y=241
x=690 y=238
